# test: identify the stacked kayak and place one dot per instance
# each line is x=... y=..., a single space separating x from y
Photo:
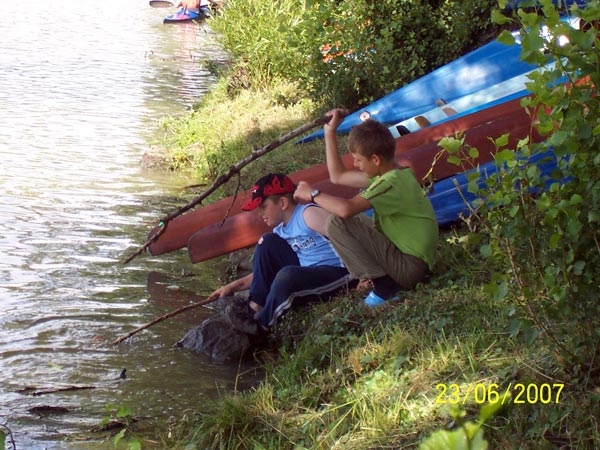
x=562 y=4
x=499 y=93
x=243 y=229
x=451 y=197
x=486 y=66
x=180 y=230
x=515 y=88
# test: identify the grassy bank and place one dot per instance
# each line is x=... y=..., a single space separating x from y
x=225 y=128
x=510 y=315
x=348 y=377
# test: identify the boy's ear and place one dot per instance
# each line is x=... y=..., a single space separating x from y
x=376 y=159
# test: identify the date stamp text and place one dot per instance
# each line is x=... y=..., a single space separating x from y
x=517 y=393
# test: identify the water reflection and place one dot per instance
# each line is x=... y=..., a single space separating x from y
x=82 y=87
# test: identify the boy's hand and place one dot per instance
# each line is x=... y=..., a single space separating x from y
x=303 y=191
x=223 y=291
x=337 y=117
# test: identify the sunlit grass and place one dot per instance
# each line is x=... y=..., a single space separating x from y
x=348 y=377
x=226 y=128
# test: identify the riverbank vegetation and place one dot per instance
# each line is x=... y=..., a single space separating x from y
x=511 y=315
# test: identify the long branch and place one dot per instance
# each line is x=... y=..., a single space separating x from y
x=222 y=179
x=163 y=317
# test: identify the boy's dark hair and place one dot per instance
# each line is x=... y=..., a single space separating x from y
x=372 y=138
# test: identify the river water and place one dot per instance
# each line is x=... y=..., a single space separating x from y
x=82 y=88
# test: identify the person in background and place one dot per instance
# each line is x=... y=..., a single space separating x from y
x=395 y=249
x=204 y=6
x=295 y=261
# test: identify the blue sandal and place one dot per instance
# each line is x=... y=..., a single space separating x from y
x=373 y=299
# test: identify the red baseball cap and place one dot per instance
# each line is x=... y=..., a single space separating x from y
x=271 y=184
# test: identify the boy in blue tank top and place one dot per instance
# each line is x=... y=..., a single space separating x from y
x=395 y=249
x=295 y=261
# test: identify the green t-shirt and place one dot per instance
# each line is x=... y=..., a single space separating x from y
x=404 y=213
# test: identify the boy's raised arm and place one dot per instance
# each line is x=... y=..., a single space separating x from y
x=338 y=173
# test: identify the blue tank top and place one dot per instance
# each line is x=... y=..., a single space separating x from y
x=312 y=248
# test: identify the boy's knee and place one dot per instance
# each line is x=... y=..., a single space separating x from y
x=268 y=239
x=268 y=244
x=285 y=277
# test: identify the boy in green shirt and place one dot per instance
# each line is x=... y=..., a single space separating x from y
x=395 y=249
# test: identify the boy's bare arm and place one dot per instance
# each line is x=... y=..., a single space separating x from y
x=316 y=219
x=338 y=173
x=241 y=284
x=339 y=206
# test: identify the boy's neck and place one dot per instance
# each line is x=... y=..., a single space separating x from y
x=288 y=213
x=387 y=166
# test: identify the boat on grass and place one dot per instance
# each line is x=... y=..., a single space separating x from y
x=451 y=198
x=428 y=161
x=486 y=66
x=180 y=229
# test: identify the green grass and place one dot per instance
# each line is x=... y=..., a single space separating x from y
x=348 y=377
x=226 y=127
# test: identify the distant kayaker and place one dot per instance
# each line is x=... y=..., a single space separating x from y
x=395 y=249
x=200 y=5
x=295 y=262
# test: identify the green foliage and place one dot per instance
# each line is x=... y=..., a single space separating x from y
x=310 y=43
x=547 y=245
x=468 y=436
x=122 y=415
x=392 y=39
x=263 y=36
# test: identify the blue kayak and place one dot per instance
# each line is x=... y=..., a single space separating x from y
x=187 y=15
x=565 y=4
x=482 y=68
x=450 y=195
x=488 y=65
x=485 y=98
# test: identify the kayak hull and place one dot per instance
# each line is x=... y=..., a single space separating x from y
x=180 y=229
x=486 y=66
x=243 y=230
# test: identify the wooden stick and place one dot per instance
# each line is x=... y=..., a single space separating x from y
x=222 y=179
x=54 y=391
x=165 y=317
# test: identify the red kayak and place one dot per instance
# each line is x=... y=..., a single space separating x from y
x=243 y=230
x=416 y=150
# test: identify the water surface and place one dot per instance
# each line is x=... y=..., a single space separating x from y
x=82 y=88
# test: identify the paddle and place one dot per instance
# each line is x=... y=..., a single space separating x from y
x=161 y=4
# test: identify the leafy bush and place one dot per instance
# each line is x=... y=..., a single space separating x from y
x=377 y=47
x=548 y=244
x=349 y=53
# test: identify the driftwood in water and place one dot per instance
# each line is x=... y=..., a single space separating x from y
x=29 y=390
